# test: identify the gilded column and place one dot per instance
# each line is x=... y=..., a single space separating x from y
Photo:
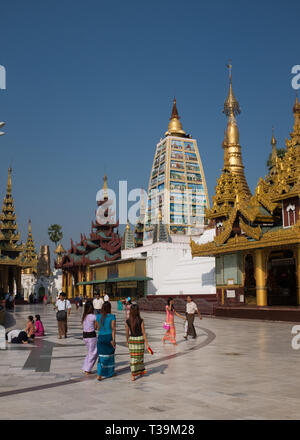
x=261 y=290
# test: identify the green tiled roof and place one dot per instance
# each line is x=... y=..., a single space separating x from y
x=115 y=280
x=97 y=254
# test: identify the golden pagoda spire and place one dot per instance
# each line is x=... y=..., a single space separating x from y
x=175 y=126
x=231 y=105
x=29 y=255
x=8 y=188
x=9 y=235
x=232 y=149
x=128 y=240
x=295 y=135
x=59 y=251
x=105 y=187
x=273 y=143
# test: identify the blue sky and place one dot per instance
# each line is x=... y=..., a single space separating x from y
x=90 y=87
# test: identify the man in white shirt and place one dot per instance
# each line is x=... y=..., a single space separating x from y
x=98 y=303
x=13 y=334
x=62 y=305
x=191 y=308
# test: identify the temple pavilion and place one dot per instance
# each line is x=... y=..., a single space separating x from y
x=103 y=245
x=257 y=237
x=10 y=246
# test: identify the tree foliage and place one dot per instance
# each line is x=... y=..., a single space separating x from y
x=55 y=233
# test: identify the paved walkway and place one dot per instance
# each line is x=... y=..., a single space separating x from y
x=235 y=369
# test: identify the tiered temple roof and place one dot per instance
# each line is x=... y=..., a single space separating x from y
x=246 y=222
x=10 y=246
x=102 y=245
x=30 y=258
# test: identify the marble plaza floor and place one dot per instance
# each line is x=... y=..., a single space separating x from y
x=235 y=369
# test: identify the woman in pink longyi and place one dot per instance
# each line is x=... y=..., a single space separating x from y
x=39 y=328
x=171 y=312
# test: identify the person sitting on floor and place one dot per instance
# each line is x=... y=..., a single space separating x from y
x=39 y=328
x=30 y=329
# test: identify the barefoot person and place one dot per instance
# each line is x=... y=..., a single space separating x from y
x=106 y=343
x=17 y=337
x=30 y=328
x=169 y=324
x=63 y=307
x=90 y=325
x=191 y=309
x=136 y=339
x=39 y=328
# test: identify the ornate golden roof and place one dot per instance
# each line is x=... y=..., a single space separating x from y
x=245 y=221
x=60 y=249
x=232 y=149
x=295 y=135
x=175 y=126
x=231 y=105
x=9 y=235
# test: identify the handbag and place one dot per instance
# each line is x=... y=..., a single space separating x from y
x=87 y=335
x=61 y=315
x=166 y=326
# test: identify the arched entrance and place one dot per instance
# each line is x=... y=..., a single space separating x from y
x=282 y=279
x=41 y=293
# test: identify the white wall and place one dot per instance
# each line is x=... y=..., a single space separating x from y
x=173 y=269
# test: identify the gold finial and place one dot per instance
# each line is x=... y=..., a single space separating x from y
x=8 y=191
x=231 y=105
x=105 y=186
x=175 y=126
x=29 y=226
x=273 y=140
x=229 y=65
x=274 y=151
x=127 y=226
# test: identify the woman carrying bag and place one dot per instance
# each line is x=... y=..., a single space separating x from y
x=169 y=325
x=63 y=307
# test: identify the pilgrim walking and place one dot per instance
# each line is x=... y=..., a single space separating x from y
x=63 y=307
x=169 y=325
x=191 y=309
x=106 y=343
x=136 y=339
x=90 y=325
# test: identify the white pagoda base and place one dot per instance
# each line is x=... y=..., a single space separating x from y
x=173 y=269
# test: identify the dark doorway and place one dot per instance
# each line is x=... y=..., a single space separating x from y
x=250 y=283
x=41 y=294
x=282 y=280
